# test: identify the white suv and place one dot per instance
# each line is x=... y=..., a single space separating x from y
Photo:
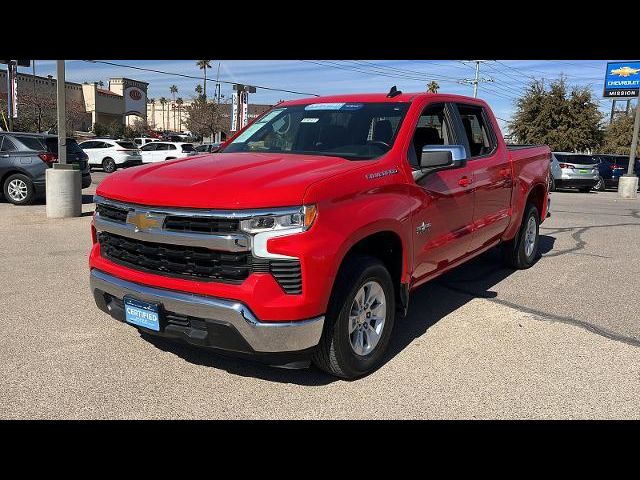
x=111 y=154
x=161 y=151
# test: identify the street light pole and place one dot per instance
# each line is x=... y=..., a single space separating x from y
x=476 y=80
x=63 y=181
x=628 y=184
x=62 y=114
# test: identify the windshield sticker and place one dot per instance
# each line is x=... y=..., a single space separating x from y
x=352 y=106
x=324 y=106
x=309 y=120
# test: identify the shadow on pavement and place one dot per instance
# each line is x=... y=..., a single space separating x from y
x=428 y=304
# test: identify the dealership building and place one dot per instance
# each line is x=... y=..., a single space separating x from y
x=122 y=101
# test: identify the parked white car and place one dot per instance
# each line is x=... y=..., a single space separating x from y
x=161 y=151
x=111 y=154
x=142 y=141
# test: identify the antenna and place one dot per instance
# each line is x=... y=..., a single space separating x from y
x=394 y=92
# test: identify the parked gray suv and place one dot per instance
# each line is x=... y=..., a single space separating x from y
x=24 y=157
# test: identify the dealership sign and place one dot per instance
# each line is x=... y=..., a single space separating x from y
x=135 y=101
x=622 y=80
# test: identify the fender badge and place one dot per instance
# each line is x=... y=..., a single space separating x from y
x=384 y=173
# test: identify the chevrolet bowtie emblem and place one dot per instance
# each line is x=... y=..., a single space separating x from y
x=625 y=71
x=145 y=220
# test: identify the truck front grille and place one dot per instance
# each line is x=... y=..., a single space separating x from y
x=201 y=224
x=115 y=214
x=175 y=260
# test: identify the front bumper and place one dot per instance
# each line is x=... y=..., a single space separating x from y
x=207 y=321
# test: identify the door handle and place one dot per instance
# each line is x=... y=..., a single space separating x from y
x=505 y=172
x=464 y=182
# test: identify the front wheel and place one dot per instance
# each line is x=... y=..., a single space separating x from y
x=600 y=186
x=359 y=319
x=522 y=251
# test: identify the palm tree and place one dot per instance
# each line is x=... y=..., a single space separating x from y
x=162 y=102
x=174 y=89
x=152 y=101
x=179 y=102
x=433 y=87
x=199 y=90
x=203 y=65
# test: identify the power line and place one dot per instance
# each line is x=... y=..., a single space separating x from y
x=198 y=78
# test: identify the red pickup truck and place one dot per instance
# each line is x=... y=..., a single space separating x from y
x=303 y=238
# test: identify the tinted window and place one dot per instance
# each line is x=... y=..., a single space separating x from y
x=127 y=145
x=170 y=147
x=187 y=147
x=576 y=159
x=478 y=131
x=149 y=147
x=137 y=141
x=32 y=143
x=432 y=129
x=356 y=131
x=7 y=145
x=72 y=145
x=202 y=148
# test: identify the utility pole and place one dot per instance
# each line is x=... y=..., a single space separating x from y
x=476 y=80
x=628 y=183
x=63 y=180
x=11 y=72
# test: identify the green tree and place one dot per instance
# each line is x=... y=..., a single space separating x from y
x=163 y=101
x=174 y=89
x=433 y=87
x=203 y=118
x=179 y=102
x=619 y=135
x=203 y=65
x=566 y=121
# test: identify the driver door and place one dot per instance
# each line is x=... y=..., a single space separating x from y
x=442 y=223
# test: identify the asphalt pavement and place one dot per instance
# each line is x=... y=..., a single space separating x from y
x=560 y=340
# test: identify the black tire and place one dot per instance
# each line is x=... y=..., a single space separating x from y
x=334 y=353
x=552 y=183
x=25 y=193
x=600 y=186
x=109 y=165
x=514 y=251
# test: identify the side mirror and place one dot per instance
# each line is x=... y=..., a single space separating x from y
x=442 y=156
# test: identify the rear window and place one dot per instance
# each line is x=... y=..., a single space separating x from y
x=576 y=159
x=127 y=145
x=187 y=147
x=32 y=143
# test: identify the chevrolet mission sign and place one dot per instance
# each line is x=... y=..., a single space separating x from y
x=622 y=80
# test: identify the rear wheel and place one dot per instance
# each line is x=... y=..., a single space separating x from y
x=600 y=186
x=522 y=251
x=19 y=190
x=109 y=165
x=359 y=319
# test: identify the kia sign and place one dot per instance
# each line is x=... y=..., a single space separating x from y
x=622 y=80
x=135 y=101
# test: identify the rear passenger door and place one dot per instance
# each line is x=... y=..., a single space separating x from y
x=491 y=173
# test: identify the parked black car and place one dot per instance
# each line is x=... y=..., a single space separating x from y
x=611 y=168
x=24 y=158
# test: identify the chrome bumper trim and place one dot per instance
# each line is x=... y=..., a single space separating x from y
x=261 y=336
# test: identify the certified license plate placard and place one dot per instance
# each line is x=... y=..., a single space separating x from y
x=142 y=314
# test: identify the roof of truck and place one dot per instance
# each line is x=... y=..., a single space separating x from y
x=375 y=97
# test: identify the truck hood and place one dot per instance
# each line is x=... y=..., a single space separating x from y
x=224 y=180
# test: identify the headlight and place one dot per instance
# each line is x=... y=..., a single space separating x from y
x=296 y=218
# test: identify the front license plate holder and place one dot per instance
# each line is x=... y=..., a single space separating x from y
x=142 y=314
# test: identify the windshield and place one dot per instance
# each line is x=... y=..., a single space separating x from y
x=355 y=131
x=576 y=159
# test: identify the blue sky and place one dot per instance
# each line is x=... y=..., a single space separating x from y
x=327 y=77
